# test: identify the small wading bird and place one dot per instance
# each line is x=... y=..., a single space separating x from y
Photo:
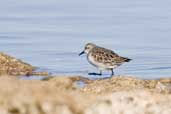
x=102 y=58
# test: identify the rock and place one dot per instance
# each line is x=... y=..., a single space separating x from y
x=62 y=82
x=131 y=102
x=12 y=66
x=118 y=83
x=60 y=95
x=37 y=97
x=163 y=88
x=48 y=108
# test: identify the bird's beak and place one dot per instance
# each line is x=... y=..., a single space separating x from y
x=81 y=53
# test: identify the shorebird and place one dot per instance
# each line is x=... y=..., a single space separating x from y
x=102 y=58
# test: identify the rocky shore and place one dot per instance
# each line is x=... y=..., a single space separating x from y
x=64 y=95
x=15 y=67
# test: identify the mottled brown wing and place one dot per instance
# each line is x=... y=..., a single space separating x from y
x=106 y=56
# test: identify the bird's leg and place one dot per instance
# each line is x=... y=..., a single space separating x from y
x=96 y=73
x=112 y=72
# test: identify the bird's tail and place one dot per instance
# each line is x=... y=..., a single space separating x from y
x=126 y=59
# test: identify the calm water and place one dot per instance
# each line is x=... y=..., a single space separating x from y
x=49 y=34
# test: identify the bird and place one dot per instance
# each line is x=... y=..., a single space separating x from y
x=102 y=58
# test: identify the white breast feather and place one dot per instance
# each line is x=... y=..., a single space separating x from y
x=100 y=66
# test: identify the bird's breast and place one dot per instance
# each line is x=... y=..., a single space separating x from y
x=91 y=60
x=99 y=64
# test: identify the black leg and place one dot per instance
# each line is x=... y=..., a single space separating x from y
x=95 y=73
x=112 y=72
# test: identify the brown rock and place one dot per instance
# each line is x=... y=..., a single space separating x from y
x=12 y=66
x=131 y=102
x=54 y=96
x=59 y=95
x=163 y=88
x=118 y=83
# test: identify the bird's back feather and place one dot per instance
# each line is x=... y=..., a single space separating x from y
x=106 y=56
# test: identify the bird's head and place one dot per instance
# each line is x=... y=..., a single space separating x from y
x=88 y=48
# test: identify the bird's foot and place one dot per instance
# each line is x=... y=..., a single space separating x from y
x=95 y=74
